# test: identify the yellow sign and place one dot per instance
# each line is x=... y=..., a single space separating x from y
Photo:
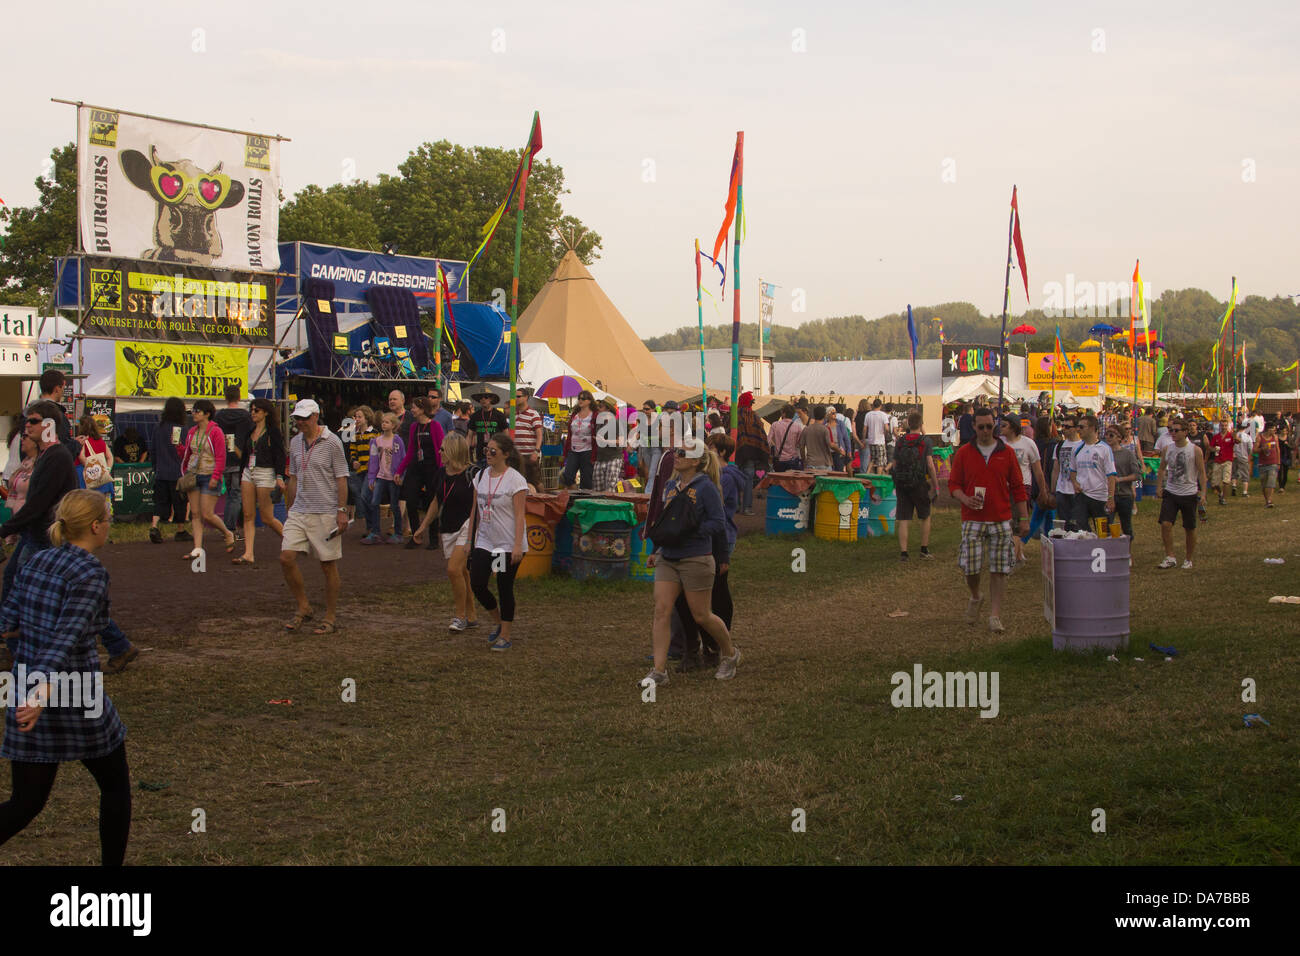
x=455 y=365
x=185 y=371
x=324 y=306
x=505 y=336
x=1082 y=372
x=552 y=405
x=399 y=331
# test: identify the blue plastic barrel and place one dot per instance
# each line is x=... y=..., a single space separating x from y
x=640 y=550
x=563 y=546
x=787 y=513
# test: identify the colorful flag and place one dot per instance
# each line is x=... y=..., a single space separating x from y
x=1020 y=246
x=911 y=331
x=518 y=186
x=1059 y=354
x=940 y=321
x=1139 y=308
x=730 y=206
x=1232 y=305
x=1293 y=366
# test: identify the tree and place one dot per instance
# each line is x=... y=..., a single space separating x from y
x=37 y=234
x=336 y=216
x=444 y=194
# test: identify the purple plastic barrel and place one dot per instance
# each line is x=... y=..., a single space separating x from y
x=1085 y=592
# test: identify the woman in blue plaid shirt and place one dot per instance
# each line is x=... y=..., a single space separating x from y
x=58 y=606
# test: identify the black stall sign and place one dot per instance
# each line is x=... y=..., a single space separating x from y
x=959 y=360
x=167 y=302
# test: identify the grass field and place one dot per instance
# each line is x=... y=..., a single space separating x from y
x=556 y=735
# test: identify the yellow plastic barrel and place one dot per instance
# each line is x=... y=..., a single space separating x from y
x=541 y=548
x=836 y=520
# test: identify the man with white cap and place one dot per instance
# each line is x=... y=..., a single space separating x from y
x=317 y=497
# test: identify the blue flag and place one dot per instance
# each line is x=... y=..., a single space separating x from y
x=911 y=331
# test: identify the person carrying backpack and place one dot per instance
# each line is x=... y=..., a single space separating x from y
x=916 y=483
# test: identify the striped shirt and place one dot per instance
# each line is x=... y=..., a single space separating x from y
x=528 y=421
x=359 y=451
x=317 y=468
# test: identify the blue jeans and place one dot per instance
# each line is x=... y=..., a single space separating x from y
x=361 y=498
x=747 y=493
x=114 y=639
x=579 y=463
x=385 y=491
x=233 y=513
x=1042 y=518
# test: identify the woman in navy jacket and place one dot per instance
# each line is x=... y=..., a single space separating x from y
x=689 y=566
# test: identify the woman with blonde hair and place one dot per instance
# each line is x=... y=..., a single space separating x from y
x=684 y=560
x=60 y=604
x=453 y=506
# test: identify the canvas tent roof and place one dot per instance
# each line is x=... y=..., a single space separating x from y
x=574 y=316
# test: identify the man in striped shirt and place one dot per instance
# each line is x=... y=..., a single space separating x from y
x=528 y=437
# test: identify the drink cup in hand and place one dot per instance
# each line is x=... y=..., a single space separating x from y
x=979 y=498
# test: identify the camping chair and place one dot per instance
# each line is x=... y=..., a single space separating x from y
x=405 y=367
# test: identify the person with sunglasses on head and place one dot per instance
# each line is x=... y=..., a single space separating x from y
x=580 y=443
x=986 y=481
x=1181 y=488
x=59 y=602
x=262 y=452
x=688 y=564
x=500 y=494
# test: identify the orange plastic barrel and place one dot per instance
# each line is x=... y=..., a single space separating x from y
x=541 y=548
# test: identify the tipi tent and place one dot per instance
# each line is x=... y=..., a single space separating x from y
x=574 y=316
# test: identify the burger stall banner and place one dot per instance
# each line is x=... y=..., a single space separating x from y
x=146 y=369
x=171 y=192
x=165 y=302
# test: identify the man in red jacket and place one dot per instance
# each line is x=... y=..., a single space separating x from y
x=986 y=480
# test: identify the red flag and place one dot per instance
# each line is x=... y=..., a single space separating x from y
x=730 y=206
x=1020 y=246
x=534 y=146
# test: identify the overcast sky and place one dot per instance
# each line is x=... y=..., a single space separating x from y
x=880 y=146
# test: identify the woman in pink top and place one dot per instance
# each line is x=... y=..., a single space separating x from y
x=21 y=476
x=204 y=456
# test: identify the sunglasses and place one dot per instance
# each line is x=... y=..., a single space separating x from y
x=172 y=185
x=490 y=450
x=35 y=421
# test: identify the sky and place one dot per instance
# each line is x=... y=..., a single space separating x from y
x=881 y=146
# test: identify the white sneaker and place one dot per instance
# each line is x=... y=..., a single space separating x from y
x=727 y=666
x=1187 y=565
x=457 y=624
x=1168 y=562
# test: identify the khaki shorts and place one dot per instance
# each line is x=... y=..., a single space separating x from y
x=1268 y=474
x=693 y=574
x=451 y=540
x=259 y=477
x=1221 y=473
x=306 y=533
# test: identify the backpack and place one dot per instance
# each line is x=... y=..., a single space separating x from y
x=677 y=523
x=909 y=462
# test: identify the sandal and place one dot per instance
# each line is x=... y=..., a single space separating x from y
x=244 y=559
x=298 y=620
x=230 y=544
x=190 y=556
x=325 y=627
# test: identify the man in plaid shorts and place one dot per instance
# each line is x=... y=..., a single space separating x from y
x=986 y=479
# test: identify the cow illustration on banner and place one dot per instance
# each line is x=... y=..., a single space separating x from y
x=147 y=370
x=166 y=191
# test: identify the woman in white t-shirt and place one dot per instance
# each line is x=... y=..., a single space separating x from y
x=500 y=492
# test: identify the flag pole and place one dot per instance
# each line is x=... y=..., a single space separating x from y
x=437 y=333
x=514 y=281
x=699 y=308
x=1234 y=357
x=1006 y=301
x=735 y=266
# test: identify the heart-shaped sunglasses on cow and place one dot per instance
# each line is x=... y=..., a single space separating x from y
x=172 y=185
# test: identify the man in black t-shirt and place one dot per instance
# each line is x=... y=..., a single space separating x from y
x=485 y=422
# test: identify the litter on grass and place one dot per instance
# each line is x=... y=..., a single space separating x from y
x=1254 y=720
x=1275 y=560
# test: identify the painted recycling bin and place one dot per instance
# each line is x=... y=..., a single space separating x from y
x=836 y=508
x=602 y=531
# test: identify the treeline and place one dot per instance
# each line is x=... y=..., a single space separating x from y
x=1187 y=320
